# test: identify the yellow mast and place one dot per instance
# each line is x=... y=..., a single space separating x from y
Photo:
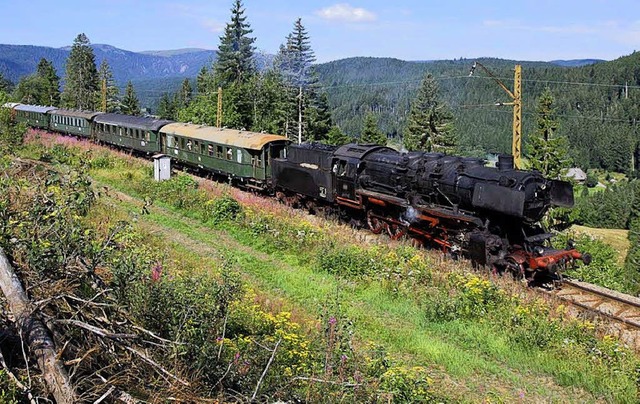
x=516 y=97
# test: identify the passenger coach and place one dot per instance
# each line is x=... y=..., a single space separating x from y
x=33 y=115
x=74 y=122
x=243 y=156
x=133 y=132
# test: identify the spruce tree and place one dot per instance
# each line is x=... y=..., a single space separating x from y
x=184 y=95
x=51 y=81
x=371 y=134
x=309 y=117
x=109 y=91
x=166 y=107
x=130 y=103
x=235 y=63
x=5 y=85
x=430 y=124
x=81 y=81
x=547 y=150
x=336 y=137
x=30 y=90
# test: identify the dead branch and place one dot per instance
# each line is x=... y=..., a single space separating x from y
x=264 y=372
x=38 y=337
x=96 y=330
x=156 y=365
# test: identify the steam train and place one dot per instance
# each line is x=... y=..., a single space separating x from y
x=488 y=214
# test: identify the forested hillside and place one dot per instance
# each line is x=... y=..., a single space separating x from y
x=597 y=104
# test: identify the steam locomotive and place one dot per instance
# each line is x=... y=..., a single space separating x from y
x=488 y=214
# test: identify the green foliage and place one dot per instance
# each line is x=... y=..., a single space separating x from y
x=430 y=122
x=223 y=209
x=11 y=133
x=592 y=179
x=547 y=151
x=408 y=385
x=130 y=104
x=109 y=92
x=235 y=62
x=346 y=261
x=604 y=269
x=370 y=133
x=610 y=209
x=337 y=137
x=81 y=89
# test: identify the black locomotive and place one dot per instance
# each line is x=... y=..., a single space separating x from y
x=488 y=214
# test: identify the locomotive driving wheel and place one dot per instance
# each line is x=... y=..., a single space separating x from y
x=376 y=224
x=395 y=231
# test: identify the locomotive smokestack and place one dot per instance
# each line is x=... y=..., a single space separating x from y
x=505 y=162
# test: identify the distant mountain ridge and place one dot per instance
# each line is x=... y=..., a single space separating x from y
x=17 y=61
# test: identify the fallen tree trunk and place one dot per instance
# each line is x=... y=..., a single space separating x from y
x=36 y=334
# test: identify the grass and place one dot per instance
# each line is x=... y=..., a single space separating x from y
x=473 y=360
x=616 y=238
x=473 y=354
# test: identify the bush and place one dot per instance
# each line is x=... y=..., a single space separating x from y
x=221 y=210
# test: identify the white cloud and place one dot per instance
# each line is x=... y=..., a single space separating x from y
x=346 y=13
x=213 y=25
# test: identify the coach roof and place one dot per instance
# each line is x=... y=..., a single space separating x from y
x=137 y=122
x=76 y=114
x=232 y=137
x=34 y=108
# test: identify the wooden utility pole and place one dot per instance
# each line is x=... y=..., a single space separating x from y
x=516 y=97
x=219 y=114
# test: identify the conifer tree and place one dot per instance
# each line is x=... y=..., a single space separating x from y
x=204 y=81
x=5 y=84
x=130 y=103
x=336 y=137
x=11 y=132
x=51 y=81
x=184 y=95
x=547 y=150
x=30 y=90
x=81 y=80
x=371 y=134
x=166 y=107
x=430 y=124
x=310 y=118
x=108 y=89
x=235 y=63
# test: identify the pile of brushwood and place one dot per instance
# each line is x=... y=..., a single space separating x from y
x=64 y=335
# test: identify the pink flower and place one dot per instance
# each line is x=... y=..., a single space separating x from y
x=156 y=272
x=332 y=320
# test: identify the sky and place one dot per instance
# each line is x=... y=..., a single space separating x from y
x=404 y=29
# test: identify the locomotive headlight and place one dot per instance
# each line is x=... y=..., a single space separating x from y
x=538 y=250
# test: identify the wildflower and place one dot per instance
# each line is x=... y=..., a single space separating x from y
x=332 y=320
x=156 y=272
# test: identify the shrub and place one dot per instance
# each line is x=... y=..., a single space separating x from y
x=221 y=210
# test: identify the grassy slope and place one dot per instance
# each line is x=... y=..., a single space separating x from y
x=616 y=238
x=472 y=363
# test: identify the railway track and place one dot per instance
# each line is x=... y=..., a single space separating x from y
x=621 y=311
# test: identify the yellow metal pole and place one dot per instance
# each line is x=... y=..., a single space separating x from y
x=516 y=148
x=219 y=115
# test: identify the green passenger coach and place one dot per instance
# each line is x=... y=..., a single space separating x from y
x=33 y=115
x=243 y=156
x=133 y=132
x=74 y=122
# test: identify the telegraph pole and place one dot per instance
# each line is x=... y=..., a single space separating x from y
x=219 y=114
x=516 y=97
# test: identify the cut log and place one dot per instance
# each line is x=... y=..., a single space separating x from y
x=36 y=335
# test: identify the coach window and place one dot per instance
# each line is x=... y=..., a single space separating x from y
x=219 y=153
x=229 y=153
x=239 y=155
x=210 y=150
